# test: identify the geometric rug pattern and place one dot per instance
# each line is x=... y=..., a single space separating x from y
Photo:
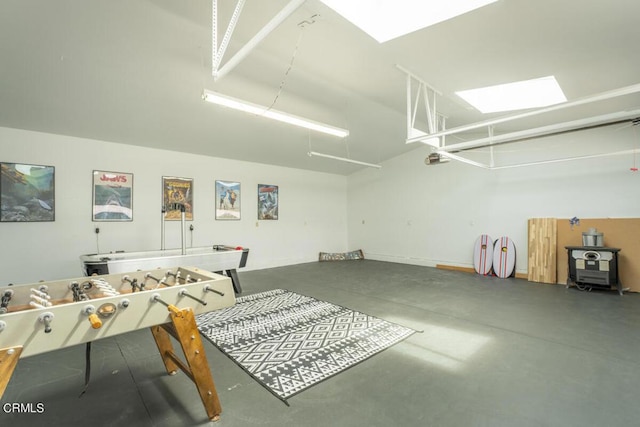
x=289 y=342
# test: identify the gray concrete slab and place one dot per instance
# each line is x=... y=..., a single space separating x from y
x=491 y=352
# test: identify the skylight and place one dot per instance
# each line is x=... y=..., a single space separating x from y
x=388 y=19
x=515 y=96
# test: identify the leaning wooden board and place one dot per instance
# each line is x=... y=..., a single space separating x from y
x=541 y=266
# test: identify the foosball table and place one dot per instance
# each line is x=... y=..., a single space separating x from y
x=47 y=316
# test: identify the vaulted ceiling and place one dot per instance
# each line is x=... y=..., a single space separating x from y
x=133 y=72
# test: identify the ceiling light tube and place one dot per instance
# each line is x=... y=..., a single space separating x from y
x=343 y=159
x=258 y=110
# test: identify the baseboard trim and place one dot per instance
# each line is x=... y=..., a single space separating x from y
x=399 y=259
x=471 y=270
x=455 y=268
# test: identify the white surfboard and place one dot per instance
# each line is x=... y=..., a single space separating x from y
x=504 y=257
x=483 y=254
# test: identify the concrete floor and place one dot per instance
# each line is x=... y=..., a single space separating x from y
x=493 y=353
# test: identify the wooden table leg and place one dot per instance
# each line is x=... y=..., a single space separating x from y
x=184 y=329
x=163 y=341
x=8 y=361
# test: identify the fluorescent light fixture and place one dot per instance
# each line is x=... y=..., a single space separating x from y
x=521 y=95
x=388 y=19
x=258 y=110
x=343 y=159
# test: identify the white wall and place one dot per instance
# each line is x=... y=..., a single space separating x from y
x=426 y=215
x=312 y=215
x=412 y=213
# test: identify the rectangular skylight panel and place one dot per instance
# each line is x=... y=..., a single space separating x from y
x=388 y=19
x=535 y=93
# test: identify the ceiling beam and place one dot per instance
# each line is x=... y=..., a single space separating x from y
x=218 y=52
x=291 y=7
x=581 y=101
x=590 y=122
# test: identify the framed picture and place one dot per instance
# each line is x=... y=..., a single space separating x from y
x=267 y=201
x=227 y=200
x=112 y=196
x=27 y=193
x=177 y=190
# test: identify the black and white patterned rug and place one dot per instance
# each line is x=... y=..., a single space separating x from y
x=289 y=342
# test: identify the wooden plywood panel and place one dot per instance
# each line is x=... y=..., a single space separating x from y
x=620 y=233
x=541 y=266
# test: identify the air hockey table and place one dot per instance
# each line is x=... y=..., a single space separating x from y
x=216 y=258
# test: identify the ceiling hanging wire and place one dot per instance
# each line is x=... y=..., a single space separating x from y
x=219 y=72
x=202 y=64
x=302 y=25
x=249 y=107
x=635 y=124
x=346 y=144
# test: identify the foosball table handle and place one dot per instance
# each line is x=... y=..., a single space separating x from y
x=95 y=321
x=46 y=318
x=172 y=308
